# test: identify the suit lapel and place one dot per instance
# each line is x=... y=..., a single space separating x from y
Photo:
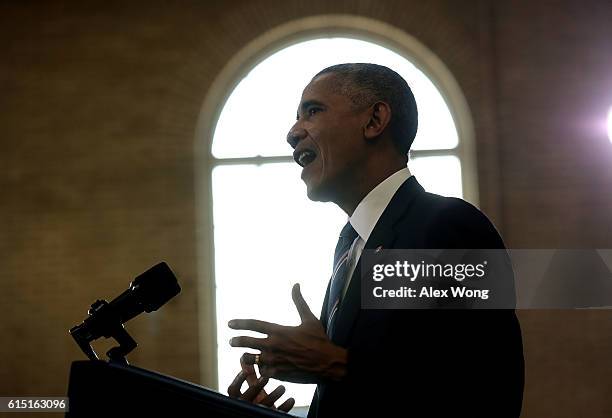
x=382 y=236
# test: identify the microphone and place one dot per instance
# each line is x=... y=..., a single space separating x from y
x=146 y=293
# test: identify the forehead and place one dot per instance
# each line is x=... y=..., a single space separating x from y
x=323 y=89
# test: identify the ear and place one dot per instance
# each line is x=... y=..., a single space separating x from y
x=380 y=115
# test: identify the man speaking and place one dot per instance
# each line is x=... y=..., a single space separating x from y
x=355 y=126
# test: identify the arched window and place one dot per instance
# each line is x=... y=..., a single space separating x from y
x=267 y=235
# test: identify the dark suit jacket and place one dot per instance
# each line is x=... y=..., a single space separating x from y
x=425 y=363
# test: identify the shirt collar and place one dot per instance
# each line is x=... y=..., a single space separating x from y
x=372 y=206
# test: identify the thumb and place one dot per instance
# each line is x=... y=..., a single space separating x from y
x=301 y=305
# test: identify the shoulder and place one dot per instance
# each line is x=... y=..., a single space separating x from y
x=449 y=222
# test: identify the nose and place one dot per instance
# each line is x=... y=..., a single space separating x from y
x=295 y=135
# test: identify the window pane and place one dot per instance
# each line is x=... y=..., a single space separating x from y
x=268 y=236
x=262 y=108
x=440 y=175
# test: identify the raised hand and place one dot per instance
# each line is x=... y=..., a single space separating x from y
x=302 y=354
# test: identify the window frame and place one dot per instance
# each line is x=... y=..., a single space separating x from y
x=236 y=69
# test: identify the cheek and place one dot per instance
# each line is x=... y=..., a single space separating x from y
x=322 y=143
x=341 y=148
x=335 y=145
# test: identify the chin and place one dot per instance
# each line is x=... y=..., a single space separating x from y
x=312 y=194
x=317 y=193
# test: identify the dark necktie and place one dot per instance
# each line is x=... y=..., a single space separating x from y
x=340 y=273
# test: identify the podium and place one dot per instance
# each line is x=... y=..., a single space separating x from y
x=101 y=389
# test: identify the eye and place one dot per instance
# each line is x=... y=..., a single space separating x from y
x=313 y=110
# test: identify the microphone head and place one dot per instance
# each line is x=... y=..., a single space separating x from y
x=155 y=287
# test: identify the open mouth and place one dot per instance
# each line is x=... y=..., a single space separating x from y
x=304 y=157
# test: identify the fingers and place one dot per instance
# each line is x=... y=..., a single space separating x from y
x=233 y=389
x=254 y=390
x=267 y=361
x=254 y=325
x=301 y=305
x=247 y=361
x=273 y=397
x=249 y=342
x=287 y=405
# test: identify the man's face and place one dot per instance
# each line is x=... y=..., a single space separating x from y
x=327 y=138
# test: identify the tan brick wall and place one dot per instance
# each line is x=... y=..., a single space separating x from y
x=99 y=103
x=554 y=88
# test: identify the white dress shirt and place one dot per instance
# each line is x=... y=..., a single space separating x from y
x=368 y=212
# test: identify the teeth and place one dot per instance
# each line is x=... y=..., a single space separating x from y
x=301 y=158
x=304 y=156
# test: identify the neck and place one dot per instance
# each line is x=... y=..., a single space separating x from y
x=363 y=182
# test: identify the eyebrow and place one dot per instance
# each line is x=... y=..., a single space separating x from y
x=305 y=105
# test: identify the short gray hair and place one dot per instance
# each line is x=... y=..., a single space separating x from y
x=365 y=84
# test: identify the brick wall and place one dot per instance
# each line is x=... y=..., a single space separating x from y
x=554 y=88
